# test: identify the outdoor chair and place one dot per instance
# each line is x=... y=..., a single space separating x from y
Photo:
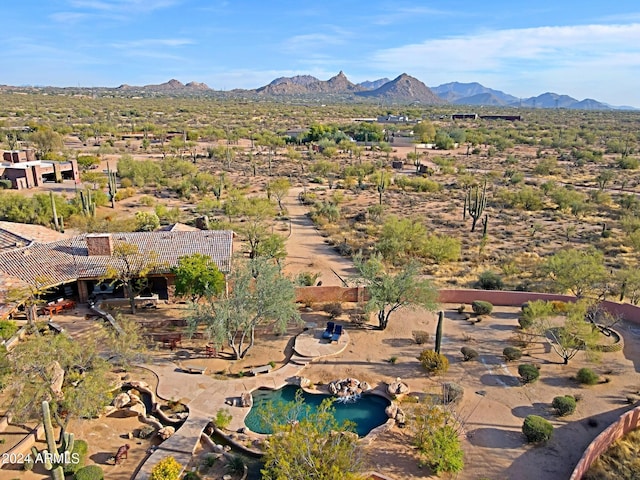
x=329 y=330
x=337 y=332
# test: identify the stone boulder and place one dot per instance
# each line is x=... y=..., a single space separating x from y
x=391 y=410
x=397 y=388
x=166 y=432
x=365 y=387
x=57 y=379
x=304 y=382
x=121 y=400
x=135 y=410
x=135 y=399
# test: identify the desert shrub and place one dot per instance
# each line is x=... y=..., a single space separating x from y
x=461 y=308
x=564 y=405
x=223 y=418
x=306 y=279
x=5 y=184
x=587 y=376
x=512 y=353
x=451 y=392
x=480 y=307
x=191 y=476
x=235 y=465
x=166 y=469
x=489 y=280
x=524 y=322
x=528 y=373
x=79 y=451
x=334 y=309
x=90 y=472
x=536 y=429
x=420 y=336
x=559 y=306
x=8 y=328
x=468 y=353
x=433 y=362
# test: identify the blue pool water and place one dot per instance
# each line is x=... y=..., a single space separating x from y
x=367 y=412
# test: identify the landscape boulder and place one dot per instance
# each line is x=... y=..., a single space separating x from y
x=166 y=432
x=121 y=400
x=397 y=388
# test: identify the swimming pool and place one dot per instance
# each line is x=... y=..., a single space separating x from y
x=367 y=412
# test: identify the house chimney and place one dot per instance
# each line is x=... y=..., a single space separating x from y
x=99 y=244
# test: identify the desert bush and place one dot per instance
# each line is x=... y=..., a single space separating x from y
x=480 y=307
x=235 y=465
x=528 y=373
x=166 y=469
x=90 y=472
x=8 y=328
x=587 y=376
x=433 y=362
x=5 y=184
x=306 y=279
x=223 y=418
x=559 y=306
x=536 y=429
x=461 y=308
x=334 y=309
x=564 y=405
x=524 y=322
x=80 y=449
x=451 y=392
x=489 y=280
x=468 y=353
x=512 y=353
x=420 y=336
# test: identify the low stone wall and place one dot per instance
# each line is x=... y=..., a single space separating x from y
x=625 y=424
x=330 y=294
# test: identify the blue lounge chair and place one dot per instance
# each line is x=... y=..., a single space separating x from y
x=328 y=331
x=337 y=331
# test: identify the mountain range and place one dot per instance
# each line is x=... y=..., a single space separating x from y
x=403 y=89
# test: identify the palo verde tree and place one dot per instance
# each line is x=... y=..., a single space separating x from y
x=28 y=294
x=309 y=445
x=70 y=375
x=129 y=267
x=581 y=272
x=197 y=276
x=575 y=334
x=260 y=294
x=389 y=291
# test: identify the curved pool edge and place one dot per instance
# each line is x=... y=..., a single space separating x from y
x=365 y=439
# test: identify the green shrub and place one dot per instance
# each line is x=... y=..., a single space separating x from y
x=235 y=465
x=223 y=418
x=480 y=307
x=90 y=472
x=512 y=353
x=306 y=279
x=525 y=322
x=451 y=392
x=80 y=448
x=166 y=469
x=489 y=280
x=537 y=429
x=528 y=373
x=191 y=476
x=420 y=336
x=8 y=328
x=5 y=184
x=433 y=362
x=334 y=309
x=564 y=405
x=587 y=376
x=468 y=353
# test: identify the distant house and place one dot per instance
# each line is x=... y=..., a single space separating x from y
x=24 y=171
x=79 y=263
x=464 y=116
x=510 y=118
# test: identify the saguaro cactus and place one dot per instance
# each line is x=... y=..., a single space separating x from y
x=113 y=186
x=54 y=211
x=57 y=472
x=475 y=202
x=88 y=204
x=439 y=331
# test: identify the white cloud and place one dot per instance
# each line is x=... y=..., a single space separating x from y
x=314 y=42
x=153 y=42
x=69 y=17
x=126 y=5
x=399 y=15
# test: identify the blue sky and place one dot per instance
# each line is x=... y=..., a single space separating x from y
x=582 y=49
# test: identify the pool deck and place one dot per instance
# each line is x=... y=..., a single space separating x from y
x=205 y=395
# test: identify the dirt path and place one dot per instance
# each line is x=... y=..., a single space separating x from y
x=307 y=250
